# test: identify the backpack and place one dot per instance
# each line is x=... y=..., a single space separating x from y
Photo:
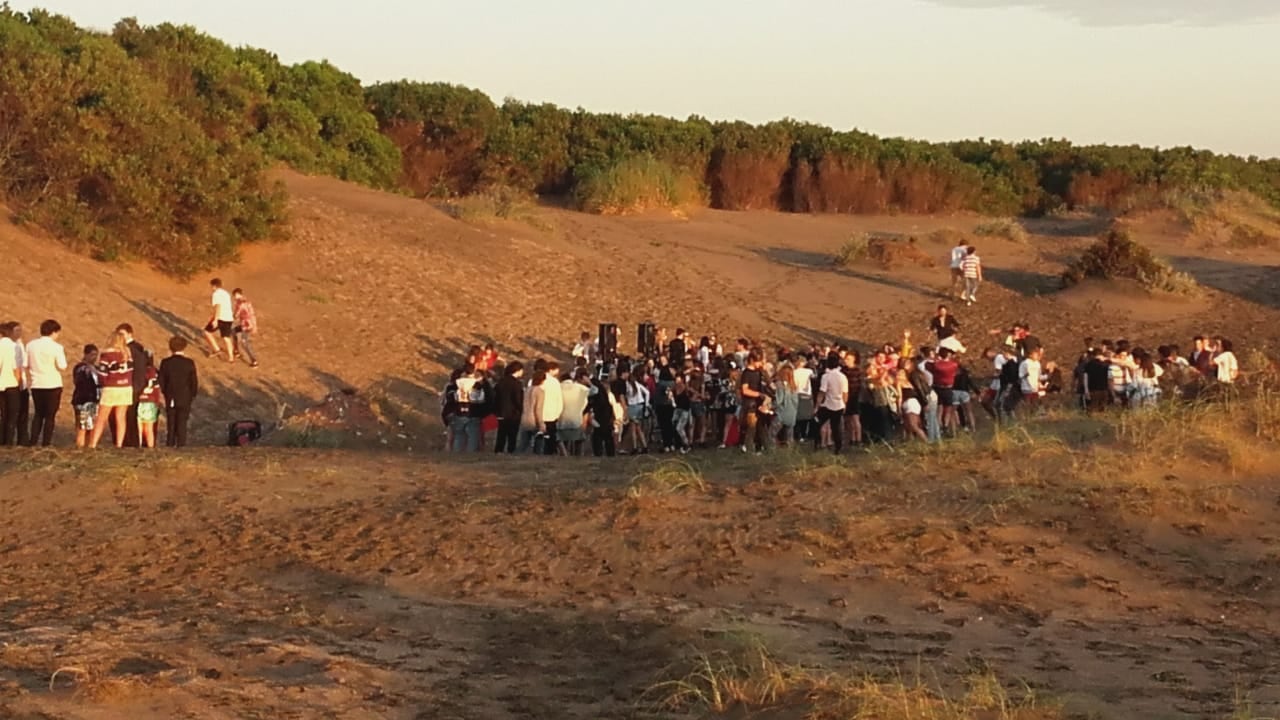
x=1009 y=376
x=243 y=432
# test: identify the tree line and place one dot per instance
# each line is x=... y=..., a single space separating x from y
x=154 y=142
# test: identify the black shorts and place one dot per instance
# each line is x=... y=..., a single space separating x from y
x=946 y=396
x=222 y=328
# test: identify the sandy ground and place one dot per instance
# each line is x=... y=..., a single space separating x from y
x=291 y=584
x=275 y=583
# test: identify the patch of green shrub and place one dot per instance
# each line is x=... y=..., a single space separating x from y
x=1006 y=228
x=1118 y=256
x=634 y=184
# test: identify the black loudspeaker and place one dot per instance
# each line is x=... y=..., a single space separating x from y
x=646 y=339
x=608 y=343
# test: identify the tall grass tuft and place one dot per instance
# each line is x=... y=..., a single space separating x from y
x=1006 y=228
x=636 y=184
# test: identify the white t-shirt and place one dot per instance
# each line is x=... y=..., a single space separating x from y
x=552 y=401
x=834 y=387
x=1029 y=372
x=911 y=406
x=8 y=363
x=958 y=254
x=952 y=343
x=999 y=364
x=574 y=396
x=637 y=394
x=804 y=382
x=222 y=301
x=1228 y=367
x=46 y=361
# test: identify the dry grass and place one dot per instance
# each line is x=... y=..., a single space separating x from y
x=497 y=204
x=1007 y=228
x=887 y=252
x=751 y=678
x=667 y=478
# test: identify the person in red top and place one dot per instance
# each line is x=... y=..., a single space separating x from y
x=944 y=370
x=150 y=400
x=115 y=364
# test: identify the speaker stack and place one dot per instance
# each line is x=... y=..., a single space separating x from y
x=608 y=343
x=646 y=339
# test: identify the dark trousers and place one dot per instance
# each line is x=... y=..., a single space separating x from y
x=602 y=442
x=877 y=422
x=176 y=419
x=836 y=419
x=45 y=409
x=10 y=400
x=550 y=439
x=24 y=415
x=508 y=433
x=667 y=424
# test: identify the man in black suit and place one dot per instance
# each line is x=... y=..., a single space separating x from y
x=676 y=351
x=179 y=384
x=137 y=356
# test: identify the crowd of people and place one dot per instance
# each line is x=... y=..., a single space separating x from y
x=682 y=395
x=117 y=388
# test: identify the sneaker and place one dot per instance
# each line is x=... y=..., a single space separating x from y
x=744 y=449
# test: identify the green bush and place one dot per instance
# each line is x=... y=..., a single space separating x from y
x=95 y=147
x=853 y=251
x=635 y=184
x=1118 y=256
x=1006 y=228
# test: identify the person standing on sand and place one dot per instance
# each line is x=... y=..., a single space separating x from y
x=46 y=361
x=971 y=268
x=246 y=326
x=221 y=321
x=116 y=367
x=149 y=403
x=138 y=361
x=10 y=386
x=509 y=406
x=958 y=254
x=833 y=397
x=179 y=384
x=85 y=382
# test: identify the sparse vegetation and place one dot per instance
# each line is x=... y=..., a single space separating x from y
x=497 y=203
x=1118 y=256
x=887 y=252
x=636 y=184
x=1007 y=228
x=853 y=251
x=668 y=478
x=752 y=679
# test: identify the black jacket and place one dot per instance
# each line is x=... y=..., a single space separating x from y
x=508 y=398
x=138 y=356
x=178 y=381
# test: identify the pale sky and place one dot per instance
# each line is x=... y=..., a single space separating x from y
x=1152 y=72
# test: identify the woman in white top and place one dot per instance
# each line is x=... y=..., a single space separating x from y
x=637 y=409
x=1144 y=388
x=46 y=361
x=1226 y=363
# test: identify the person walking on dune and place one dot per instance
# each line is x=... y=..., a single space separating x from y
x=221 y=321
x=958 y=254
x=246 y=326
x=971 y=268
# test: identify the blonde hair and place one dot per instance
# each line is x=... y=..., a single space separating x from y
x=118 y=342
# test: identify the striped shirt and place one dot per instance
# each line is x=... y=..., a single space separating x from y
x=970 y=266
